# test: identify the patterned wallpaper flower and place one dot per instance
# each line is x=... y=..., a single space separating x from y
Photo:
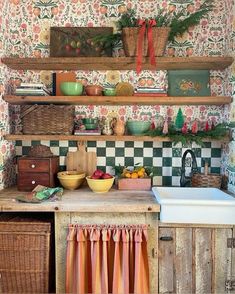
x=25 y=32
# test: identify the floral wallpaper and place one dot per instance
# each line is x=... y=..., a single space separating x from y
x=25 y=32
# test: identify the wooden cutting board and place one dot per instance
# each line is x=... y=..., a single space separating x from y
x=81 y=160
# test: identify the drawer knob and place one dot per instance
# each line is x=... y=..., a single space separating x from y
x=33 y=182
x=33 y=165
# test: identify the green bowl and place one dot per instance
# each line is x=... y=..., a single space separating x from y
x=71 y=88
x=90 y=121
x=109 y=92
x=90 y=126
x=138 y=127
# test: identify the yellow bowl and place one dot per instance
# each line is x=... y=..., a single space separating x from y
x=71 y=180
x=100 y=185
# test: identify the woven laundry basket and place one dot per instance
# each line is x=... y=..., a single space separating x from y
x=47 y=119
x=24 y=255
x=130 y=39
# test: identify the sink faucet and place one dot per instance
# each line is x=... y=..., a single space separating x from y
x=185 y=181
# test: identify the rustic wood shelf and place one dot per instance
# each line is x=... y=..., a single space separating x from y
x=118 y=100
x=116 y=63
x=93 y=138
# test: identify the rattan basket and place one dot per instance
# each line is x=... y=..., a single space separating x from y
x=130 y=39
x=209 y=180
x=24 y=255
x=47 y=119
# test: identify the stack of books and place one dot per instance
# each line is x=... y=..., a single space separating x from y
x=150 y=91
x=32 y=89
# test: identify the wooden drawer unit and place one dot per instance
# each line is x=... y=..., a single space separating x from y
x=34 y=171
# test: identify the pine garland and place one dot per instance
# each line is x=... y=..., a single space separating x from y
x=219 y=132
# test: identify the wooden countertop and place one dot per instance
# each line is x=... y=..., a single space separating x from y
x=84 y=200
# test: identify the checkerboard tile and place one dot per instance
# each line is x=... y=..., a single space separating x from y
x=164 y=157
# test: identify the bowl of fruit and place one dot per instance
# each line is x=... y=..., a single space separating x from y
x=100 y=182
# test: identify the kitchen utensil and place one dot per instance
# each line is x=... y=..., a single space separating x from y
x=94 y=90
x=109 y=92
x=81 y=160
x=138 y=127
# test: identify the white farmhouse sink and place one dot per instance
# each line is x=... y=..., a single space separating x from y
x=195 y=205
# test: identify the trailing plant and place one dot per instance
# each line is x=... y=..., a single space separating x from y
x=218 y=132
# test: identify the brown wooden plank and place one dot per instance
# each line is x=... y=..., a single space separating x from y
x=203 y=265
x=166 y=261
x=118 y=63
x=183 y=260
x=223 y=259
x=94 y=138
x=118 y=100
x=187 y=225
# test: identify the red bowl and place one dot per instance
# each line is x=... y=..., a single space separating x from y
x=94 y=90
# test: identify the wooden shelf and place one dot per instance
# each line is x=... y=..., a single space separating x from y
x=116 y=63
x=118 y=100
x=92 y=138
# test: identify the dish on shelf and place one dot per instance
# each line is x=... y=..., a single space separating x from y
x=71 y=180
x=71 y=88
x=124 y=89
x=94 y=90
x=137 y=127
x=109 y=92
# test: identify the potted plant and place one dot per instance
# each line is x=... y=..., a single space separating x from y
x=165 y=26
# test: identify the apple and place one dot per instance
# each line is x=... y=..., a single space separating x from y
x=68 y=47
x=99 y=173
x=78 y=51
x=95 y=177
x=106 y=176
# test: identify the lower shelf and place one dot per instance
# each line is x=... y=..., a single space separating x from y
x=92 y=138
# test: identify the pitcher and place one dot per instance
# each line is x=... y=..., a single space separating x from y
x=107 y=127
x=118 y=127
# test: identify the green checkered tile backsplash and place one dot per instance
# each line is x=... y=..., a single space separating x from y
x=164 y=157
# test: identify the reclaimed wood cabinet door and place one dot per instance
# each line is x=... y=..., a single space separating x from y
x=195 y=259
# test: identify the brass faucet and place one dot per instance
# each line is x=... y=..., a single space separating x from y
x=185 y=181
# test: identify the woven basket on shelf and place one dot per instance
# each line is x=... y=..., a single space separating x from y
x=209 y=180
x=24 y=255
x=130 y=39
x=47 y=119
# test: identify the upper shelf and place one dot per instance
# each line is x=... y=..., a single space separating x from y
x=116 y=63
x=118 y=100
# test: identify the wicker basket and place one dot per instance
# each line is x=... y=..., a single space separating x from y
x=130 y=38
x=209 y=180
x=24 y=255
x=47 y=119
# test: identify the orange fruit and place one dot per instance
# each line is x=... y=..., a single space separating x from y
x=140 y=174
x=134 y=175
x=127 y=175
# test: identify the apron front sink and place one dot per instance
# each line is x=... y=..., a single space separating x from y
x=195 y=205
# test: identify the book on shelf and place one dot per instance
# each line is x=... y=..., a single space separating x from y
x=87 y=132
x=32 y=85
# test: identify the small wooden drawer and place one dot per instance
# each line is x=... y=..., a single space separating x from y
x=33 y=165
x=33 y=171
x=28 y=181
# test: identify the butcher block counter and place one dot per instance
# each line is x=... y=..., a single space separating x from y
x=84 y=200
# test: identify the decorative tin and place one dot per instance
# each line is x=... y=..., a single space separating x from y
x=189 y=83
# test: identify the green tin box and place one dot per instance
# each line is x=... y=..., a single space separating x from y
x=189 y=83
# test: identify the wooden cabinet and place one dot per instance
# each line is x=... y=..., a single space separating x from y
x=34 y=171
x=194 y=259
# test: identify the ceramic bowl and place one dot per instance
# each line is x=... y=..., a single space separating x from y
x=109 y=92
x=100 y=185
x=71 y=180
x=90 y=126
x=71 y=88
x=137 y=127
x=89 y=120
x=94 y=90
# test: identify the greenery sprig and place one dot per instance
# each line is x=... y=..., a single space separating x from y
x=179 y=22
x=218 y=132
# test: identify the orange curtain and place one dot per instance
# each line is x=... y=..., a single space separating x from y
x=107 y=259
